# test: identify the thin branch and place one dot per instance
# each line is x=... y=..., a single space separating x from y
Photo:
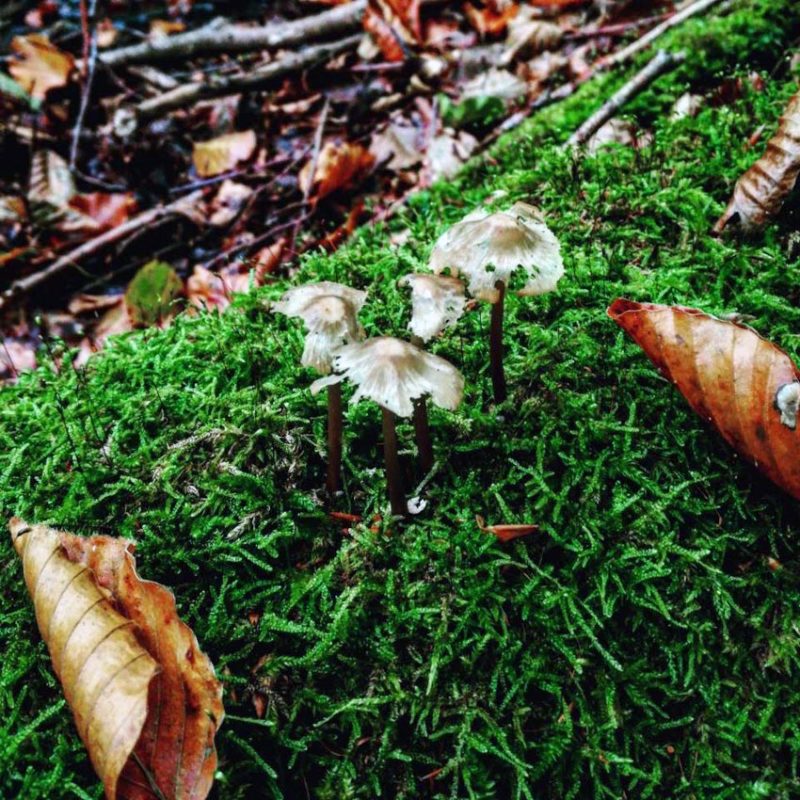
x=89 y=64
x=185 y=206
x=645 y=41
x=220 y=36
x=127 y=119
x=659 y=64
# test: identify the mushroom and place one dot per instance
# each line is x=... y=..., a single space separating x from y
x=394 y=373
x=329 y=312
x=437 y=303
x=487 y=248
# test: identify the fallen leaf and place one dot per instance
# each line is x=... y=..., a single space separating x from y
x=223 y=153
x=16 y=357
x=506 y=533
x=687 y=105
x=339 y=165
x=51 y=181
x=151 y=295
x=407 y=13
x=615 y=131
x=497 y=83
x=228 y=202
x=397 y=146
x=208 y=291
x=733 y=378
x=448 y=152
x=144 y=697
x=759 y=194
x=92 y=303
x=40 y=65
x=102 y=211
x=529 y=37
x=107 y=34
x=383 y=36
x=490 y=20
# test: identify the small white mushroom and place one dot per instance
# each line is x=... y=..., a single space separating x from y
x=487 y=249
x=394 y=374
x=437 y=302
x=329 y=312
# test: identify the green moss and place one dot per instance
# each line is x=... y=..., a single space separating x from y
x=638 y=646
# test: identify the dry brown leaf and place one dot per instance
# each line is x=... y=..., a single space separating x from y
x=162 y=28
x=490 y=20
x=228 y=202
x=206 y=290
x=448 y=152
x=397 y=146
x=506 y=533
x=223 y=153
x=143 y=695
x=759 y=194
x=530 y=37
x=51 y=181
x=741 y=383
x=16 y=357
x=384 y=36
x=40 y=65
x=103 y=211
x=338 y=166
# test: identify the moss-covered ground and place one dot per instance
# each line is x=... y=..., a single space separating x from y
x=640 y=645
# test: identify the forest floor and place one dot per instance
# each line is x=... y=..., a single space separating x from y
x=643 y=643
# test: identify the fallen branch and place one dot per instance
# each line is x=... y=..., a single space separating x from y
x=643 y=42
x=185 y=206
x=662 y=62
x=128 y=118
x=220 y=36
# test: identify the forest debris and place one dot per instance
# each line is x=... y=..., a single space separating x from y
x=187 y=206
x=643 y=42
x=658 y=65
x=505 y=532
x=499 y=83
x=731 y=376
x=617 y=131
x=223 y=153
x=397 y=146
x=220 y=36
x=448 y=152
x=491 y=19
x=527 y=37
x=40 y=65
x=151 y=295
x=687 y=105
x=228 y=202
x=144 y=697
x=128 y=118
x=760 y=192
x=339 y=165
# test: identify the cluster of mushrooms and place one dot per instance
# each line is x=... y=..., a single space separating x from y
x=486 y=249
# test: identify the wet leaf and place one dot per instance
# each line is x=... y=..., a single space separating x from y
x=223 y=153
x=40 y=65
x=151 y=295
x=144 y=697
x=760 y=192
x=339 y=165
x=739 y=382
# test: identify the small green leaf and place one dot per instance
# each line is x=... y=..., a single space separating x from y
x=152 y=293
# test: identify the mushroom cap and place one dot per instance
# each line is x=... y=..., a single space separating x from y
x=295 y=300
x=437 y=302
x=394 y=373
x=329 y=313
x=488 y=247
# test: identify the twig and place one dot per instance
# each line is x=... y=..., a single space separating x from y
x=89 y=63
x=127 y=119
x=660 y=63
x=619 y=29
x=185 y=206
x=222 y=37
x=645 y=41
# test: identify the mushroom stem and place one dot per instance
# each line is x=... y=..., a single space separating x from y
x=393 y=477
x=496 y=345
x=334 y=438
x=422 y=432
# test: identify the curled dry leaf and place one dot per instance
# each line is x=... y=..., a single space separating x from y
x=506 y=533
x=338 y=166
x=40 y=65
x=744 y=385
x=491 y=19
x=223 y=153
x=760 y=192
x=145 y=698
